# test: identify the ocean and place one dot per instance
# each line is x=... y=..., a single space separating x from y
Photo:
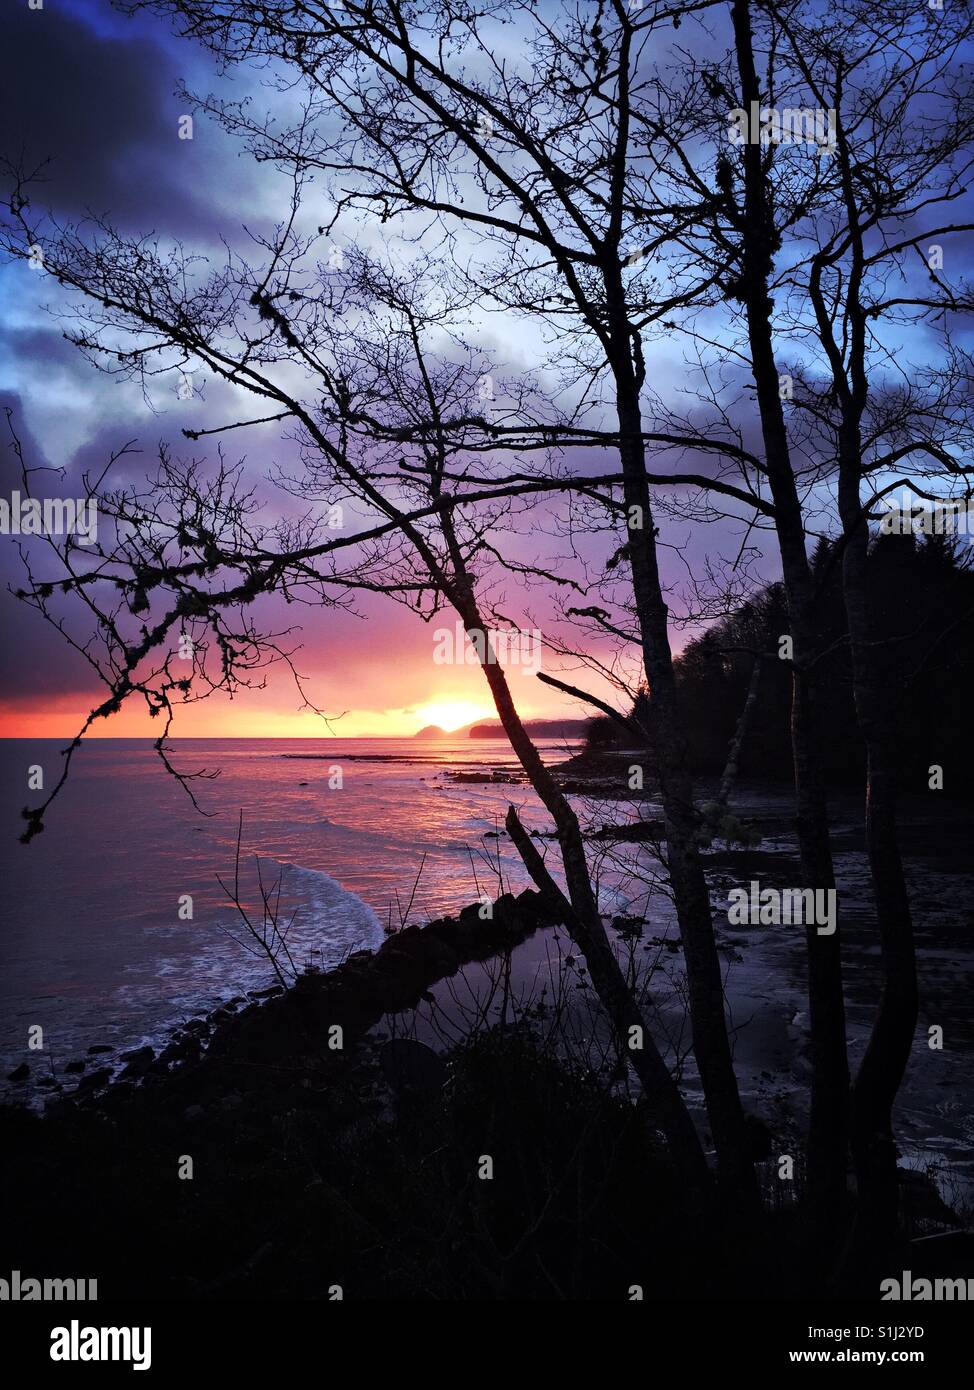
x=94 y=950
x=93 y=945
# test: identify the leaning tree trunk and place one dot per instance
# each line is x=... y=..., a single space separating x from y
x=584 y=922
x=733 y=763
x=661 y=1093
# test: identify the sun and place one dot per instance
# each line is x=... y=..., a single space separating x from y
x=450 y=714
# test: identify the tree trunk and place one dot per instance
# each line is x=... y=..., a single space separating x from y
x=661 y=1092
x=586 y=927
x=733 y=763
x=828 y=1119
x=711 y=1043
x=888 y=1050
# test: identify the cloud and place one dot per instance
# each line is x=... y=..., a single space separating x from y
x=101 y=108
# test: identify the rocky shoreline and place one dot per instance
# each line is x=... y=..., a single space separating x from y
x=352 y=996
x=323 y=1150
x=359 y=990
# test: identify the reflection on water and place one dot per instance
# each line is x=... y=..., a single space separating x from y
x=93 y=948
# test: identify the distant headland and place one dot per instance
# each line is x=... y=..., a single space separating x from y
x=537 y=728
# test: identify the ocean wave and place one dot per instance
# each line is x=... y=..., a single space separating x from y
x=351 y=924
x=207 y=962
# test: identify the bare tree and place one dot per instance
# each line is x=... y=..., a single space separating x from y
x=550 y=167
x=856 y=143
x=409 y=112
x=185 y=560
x=904 y=146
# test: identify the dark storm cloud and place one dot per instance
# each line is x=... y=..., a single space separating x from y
x=34 y=660
x=99 y=105
x=45 y=343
